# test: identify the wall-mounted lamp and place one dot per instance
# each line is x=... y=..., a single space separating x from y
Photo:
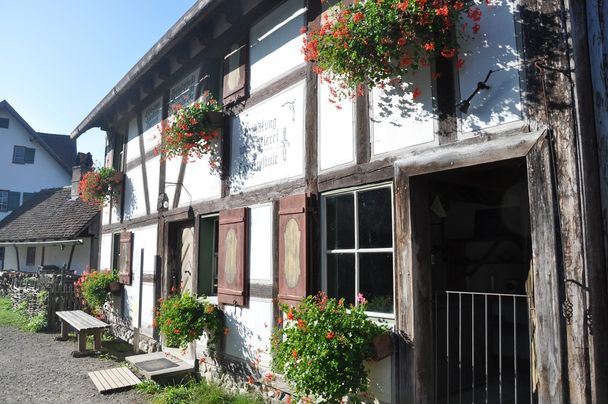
x=163 y=202
x=463 y=106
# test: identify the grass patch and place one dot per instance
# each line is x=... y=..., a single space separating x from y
x=201 y=392
x=10 y=317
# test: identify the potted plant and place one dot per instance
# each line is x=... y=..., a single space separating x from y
x=369 y=43
x=183 y=318
x=93 y=288
x=322 y=345
x=193 y=131
x=100 y=186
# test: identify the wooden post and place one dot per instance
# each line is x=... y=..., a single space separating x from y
x=82 y=341
x=97 y=339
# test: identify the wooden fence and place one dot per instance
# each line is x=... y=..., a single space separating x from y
x=26 y=287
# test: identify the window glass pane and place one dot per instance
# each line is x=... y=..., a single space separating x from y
x=3 y=201
x=376 y=281
x=207 y=257
x=341 y=276
x=19 y=154
x=375 y=218
x=30 y=258
x=340 y=222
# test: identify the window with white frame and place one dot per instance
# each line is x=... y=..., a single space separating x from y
x=3 y=201
x=357 y=233
x=208 y=255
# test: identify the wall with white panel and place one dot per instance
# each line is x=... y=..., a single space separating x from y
x=134 y=198
x=398 y=120
x=336 y=130
x=268 y=140
x=199 y=182
x=105 y=252
x=133 y=151
x=275 y=43
x=493 y=47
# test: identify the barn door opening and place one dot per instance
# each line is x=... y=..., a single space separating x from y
x=480 y=251
x=181 y=256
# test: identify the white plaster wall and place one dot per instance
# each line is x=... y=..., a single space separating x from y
x=380 y=379
x=132 y=141
x=200 y=182
x=153 y=172
x=260 y=250
x=399 y=121
x=494 y=47
x=105 y=252
x=336 y=130
x=275 y=43
x=250 y=331
x=134 y=198
x=268 y=140
x=44 y=173
x=143 y=239
x=53 y=255
x=171 y=176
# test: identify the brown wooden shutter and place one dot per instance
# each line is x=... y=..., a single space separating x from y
x=232 y=257
x=293 y=243
x=125 y=257
x=235 y=74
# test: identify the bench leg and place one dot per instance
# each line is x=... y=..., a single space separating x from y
x=64 y=330
x=97 y=337
x=82 y=341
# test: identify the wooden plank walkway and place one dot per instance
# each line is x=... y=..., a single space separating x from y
x=109 y=380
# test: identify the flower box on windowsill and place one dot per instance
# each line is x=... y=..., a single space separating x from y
x=383 y=346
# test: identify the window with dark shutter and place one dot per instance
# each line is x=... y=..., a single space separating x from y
x=293 y=255
x=125 y=257
x=235 y=74
x=18 y=155
x=29 y=155
x=232 y=257
x=14 y=199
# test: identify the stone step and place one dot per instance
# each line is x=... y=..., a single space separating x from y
x=161 y=367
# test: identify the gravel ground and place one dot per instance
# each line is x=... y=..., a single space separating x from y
x=36 y=369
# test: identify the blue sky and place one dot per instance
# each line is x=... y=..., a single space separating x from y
x=60 y=58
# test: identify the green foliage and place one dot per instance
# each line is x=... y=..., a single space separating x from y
x=100 y=186
x=93 y=288
x=183 y=319
x=193 y=392
x=37 y=323
x=372 y=42
x=10 y=317
x=42 y=297
x=322 y=346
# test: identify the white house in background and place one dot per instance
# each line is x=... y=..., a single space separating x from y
x=30 y=160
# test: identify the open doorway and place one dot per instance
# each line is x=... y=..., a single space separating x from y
x=480 y=249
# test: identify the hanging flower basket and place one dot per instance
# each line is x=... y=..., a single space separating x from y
x=100 y=186
x=372 y=42
x=193 y=132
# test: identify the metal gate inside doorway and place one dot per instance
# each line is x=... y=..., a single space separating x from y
x=482 y=348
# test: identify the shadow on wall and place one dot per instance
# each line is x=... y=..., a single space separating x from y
x=242 y=342
x=129 y=199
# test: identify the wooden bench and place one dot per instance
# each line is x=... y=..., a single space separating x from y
x=84 y=324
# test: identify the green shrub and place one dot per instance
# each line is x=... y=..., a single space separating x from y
x=183 y=319
x=93 y=289
x=37 y=323
x=201 y=392
x=322 y=346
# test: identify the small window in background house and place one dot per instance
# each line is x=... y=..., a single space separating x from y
x=207 y=256
x=4 y=123
x=29 y=155
x=30 y=258
x=3 y=201
x=19 y=155
x=1 y=258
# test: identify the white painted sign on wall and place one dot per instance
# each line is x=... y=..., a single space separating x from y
x=268 y=140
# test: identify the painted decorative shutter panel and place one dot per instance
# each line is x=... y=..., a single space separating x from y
x=125 y=257
x=232 y=258
x=235 y=74
x=293 y=243
x=14 y=199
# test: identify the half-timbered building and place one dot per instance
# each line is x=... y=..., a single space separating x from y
x=468 y=217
